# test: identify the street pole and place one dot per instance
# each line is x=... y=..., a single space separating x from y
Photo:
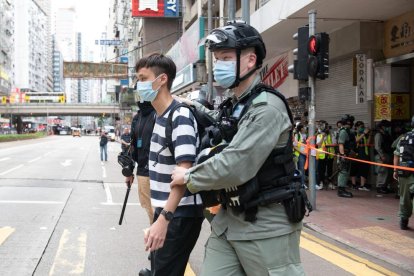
x=311 y=83
x=246 y=11
x=232 y=10
x=210 y=54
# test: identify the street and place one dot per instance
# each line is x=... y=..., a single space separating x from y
x=60 y=207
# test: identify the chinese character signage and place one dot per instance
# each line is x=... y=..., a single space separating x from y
x=95 y=70
x=394 y=106
x=399 y=35
x=400 y=106
x=155 y=8
x=382 y=107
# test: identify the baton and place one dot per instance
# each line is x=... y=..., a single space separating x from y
x=125 y=201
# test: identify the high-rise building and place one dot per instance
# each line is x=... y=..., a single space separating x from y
x=6 y=46
x=30 y=60
x=57 y=67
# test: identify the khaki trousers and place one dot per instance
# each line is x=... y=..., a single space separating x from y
x=144 y=195
x=272 y=256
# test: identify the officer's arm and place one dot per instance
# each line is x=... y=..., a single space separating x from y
x=212 y=113
x=258 y=134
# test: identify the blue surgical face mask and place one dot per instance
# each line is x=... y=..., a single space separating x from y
x=225 y=72
x=145 y=91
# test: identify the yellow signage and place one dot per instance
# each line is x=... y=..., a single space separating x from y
x=400 y=106
x=399 y=37
x=394 y=106
x=80 y=70
x=382 y=107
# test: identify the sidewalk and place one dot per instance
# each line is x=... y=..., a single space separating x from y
x=367 y=222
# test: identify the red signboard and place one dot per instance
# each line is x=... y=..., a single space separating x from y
x=155 y=8
x=277 y=74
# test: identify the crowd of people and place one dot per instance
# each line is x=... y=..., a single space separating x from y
x=353 y=140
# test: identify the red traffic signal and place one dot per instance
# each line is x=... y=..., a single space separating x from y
x=313 y=45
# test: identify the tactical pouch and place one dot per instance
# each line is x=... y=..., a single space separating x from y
x=210 y=198
x=405 y=173
x=297 y=205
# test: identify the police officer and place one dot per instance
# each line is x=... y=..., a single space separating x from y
x=404 y=156
x=383 y=152
x=259 y=132
x=346 y=142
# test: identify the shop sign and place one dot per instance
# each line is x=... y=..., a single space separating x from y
x=361 y=81
x=106 y=70
x=382 y=107
x=400 y=106
x=183 y=78
x=399 y=35
x=187 y=49
x=277 y=74
x=155 y=8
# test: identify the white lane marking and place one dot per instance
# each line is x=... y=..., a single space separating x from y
x=33 y=160
x=103 y=172
x=31 y=202
x=108 y=194
x=4 y=159
x=119 y=204
x=71 y=253
x=5 y=232
x=12 y=169
x=68 y=162
x=47 y=153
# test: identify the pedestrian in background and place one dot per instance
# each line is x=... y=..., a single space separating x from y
x=383 y=155
x=361 y=169
x=103 y=143
x=125 y=140
x=300 y=150
x=346 y=145
x=325 y=158
x=404 y=156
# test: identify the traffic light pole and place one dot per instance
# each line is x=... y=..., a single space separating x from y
x=311 y=83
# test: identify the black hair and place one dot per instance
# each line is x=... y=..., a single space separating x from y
x=159 y=64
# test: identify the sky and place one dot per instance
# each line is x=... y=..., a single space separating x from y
x=92 y=17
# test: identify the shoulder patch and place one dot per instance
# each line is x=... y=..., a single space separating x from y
x=261 y=99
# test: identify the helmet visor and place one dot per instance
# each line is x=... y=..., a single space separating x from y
x=216 y=37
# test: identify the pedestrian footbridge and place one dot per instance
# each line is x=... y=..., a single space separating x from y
x=56 y=109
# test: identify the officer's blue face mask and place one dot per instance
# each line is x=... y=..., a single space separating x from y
x=225 y=72
x=146 y=92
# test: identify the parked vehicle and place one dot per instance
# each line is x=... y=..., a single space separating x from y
x=110 y=130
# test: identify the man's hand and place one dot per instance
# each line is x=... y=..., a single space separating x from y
x=182 y=100
x=129 y=180
x=155 y=236
x=177 y=176
x=383 y=158
x=395 y=175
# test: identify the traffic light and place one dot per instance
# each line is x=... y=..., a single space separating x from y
x=318 y=61
x=299 y=67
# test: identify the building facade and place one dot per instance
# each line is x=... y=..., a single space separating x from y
x=6 y=46
x=30 y=60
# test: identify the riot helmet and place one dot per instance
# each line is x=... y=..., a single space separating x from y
x=347 y=120
x=239 y=36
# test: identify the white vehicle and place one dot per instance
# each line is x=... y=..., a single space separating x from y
x=110 y=130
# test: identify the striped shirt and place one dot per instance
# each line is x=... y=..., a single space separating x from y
x=185 y=142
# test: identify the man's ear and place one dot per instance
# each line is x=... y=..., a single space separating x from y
x=252 y=60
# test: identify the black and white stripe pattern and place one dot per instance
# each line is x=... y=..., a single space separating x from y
x=161 y=162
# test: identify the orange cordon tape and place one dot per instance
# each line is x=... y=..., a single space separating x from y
x=365 y=161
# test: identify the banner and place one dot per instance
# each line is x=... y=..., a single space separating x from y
x=91 y=70
x=400 y=106
x=382 y=107
x=155 y=8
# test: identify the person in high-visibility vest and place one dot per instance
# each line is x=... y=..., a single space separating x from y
x=359 y=169
x=324 y=142
x=300 y=150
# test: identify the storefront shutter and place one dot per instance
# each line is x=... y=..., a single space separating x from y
x=335 y=96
